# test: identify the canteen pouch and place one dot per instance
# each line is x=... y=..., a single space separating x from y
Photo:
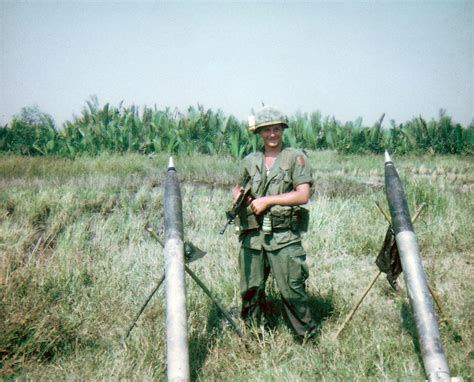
x=281 y=217
x=294 y=218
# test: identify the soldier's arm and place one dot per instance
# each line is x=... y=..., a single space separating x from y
x=300 y=195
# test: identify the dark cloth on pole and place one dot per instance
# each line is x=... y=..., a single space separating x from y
x=388 y=260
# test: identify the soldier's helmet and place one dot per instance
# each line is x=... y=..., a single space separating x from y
x=267 y=116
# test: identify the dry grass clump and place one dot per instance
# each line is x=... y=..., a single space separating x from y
x=40 y=319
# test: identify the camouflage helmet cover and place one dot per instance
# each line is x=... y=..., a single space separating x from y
x=267 y=116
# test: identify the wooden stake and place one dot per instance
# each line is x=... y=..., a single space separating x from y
x=438 y=304
x=349 y=317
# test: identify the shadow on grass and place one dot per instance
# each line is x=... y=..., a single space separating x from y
x=201 y=343
x=321 y=307
x=199 y=346
x=408 y=324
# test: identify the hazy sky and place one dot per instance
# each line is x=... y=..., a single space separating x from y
x=345 y=59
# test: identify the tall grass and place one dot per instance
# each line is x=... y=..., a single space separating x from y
x=76 y=264
x=127 y=129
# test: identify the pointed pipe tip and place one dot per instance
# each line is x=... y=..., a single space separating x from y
x=171 y=164
x=387 y=157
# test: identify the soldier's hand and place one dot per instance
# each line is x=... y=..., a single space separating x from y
x=258 y=206
x=236 y=192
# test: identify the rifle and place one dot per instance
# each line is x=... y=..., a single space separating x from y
x=238 y=204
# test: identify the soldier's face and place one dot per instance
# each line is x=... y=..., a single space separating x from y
x=272 y=135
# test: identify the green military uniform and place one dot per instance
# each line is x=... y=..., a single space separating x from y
x=281 y=250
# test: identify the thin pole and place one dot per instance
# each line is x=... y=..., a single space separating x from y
x=438 y=303
x=349 y=316
x=144 y=305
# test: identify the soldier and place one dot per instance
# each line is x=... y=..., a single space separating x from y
x=271 y=224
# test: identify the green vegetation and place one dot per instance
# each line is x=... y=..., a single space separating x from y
x=76 y=265
x=124 y=129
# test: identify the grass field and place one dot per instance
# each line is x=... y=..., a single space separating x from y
x=77 y=264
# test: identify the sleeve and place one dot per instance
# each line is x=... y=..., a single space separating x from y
x=302 y=172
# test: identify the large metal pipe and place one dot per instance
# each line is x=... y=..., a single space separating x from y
x=434 y=359
x=176 y=326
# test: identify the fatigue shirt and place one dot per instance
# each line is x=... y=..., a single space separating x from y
x=290 y=169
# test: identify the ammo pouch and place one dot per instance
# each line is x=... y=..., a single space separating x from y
x=246 y=220
x=285 y=217
x=302 y=218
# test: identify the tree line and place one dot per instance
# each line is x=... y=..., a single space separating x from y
x=120 y=129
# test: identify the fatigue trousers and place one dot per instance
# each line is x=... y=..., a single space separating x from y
x=289 y=268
